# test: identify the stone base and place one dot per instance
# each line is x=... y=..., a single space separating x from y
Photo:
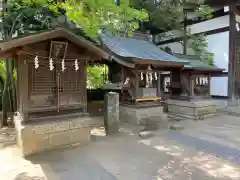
x=141 y=116
x=45 y=135
x=197 y=110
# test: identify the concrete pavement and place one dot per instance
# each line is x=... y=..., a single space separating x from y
x=169 y=155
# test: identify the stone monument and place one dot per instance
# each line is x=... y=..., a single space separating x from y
x=111 y=113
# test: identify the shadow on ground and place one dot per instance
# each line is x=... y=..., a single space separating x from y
x=124 y=156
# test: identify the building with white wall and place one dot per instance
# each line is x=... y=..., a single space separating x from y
x=217 y=36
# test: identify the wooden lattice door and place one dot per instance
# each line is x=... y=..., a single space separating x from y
x=42 y=87
x=57 y=90
x=71 y=86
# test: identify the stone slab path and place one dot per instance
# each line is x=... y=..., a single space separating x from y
x=200 y=151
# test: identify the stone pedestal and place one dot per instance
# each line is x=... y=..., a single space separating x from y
x=197 y=110
x=141 y=115
x=52 y=133
x=111 y=112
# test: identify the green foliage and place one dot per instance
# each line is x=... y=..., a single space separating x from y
x=199 y=45
x=169 y=14
x=95 y=76
x=93 y=15
x=27 y=16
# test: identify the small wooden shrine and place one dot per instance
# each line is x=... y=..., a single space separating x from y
x=196 y=78
x=51 y=87
x=193 y=99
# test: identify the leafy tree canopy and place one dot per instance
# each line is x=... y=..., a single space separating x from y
x=25 y=16
x=93 y=15
x=170 y=14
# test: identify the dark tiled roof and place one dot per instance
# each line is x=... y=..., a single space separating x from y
x=50 y=34
x=139 y=49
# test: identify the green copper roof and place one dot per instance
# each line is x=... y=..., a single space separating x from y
x=196 y=63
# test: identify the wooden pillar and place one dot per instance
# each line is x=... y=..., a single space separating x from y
x=209 y=85
x=192 y=85
x=18 y=86
x=159 y=94
x=232 y=35
x=24 y=88
x=175 y=81
x=136 y=88
x=122 y=76
x=85 y=88
x=110 y=71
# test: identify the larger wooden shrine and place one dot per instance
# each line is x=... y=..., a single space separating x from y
x=51 y=88
x=136 y=67
x=135 y=72
x=138 y=72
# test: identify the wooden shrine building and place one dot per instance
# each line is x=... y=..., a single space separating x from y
x=194 y=99
x=196 y=78
x=51 y=88
x=135 y=72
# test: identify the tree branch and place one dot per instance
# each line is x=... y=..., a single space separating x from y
x=14 y=24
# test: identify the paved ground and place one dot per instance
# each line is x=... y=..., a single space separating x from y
x=207 y=149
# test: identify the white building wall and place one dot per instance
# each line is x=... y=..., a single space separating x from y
x=209 y=25
x=217 y=44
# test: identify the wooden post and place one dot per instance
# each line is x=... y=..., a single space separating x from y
x=136 y=94
x=159 y=85
x=209 y=85
x=192 y=85
x=85 y=89
x=175 y=81
x=25 y=89
x=122 y=75
x=17 y=87
x=232 y=50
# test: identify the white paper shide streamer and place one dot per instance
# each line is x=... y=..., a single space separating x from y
x=36 y=62
x=151 y=77
x=141 y=76
x=51 y=67
x=147 y=80
x=155 y=75
x=76 y=65
x=197 y=81
x=63 y=65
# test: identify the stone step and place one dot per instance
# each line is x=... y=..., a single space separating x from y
x=172 y=117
